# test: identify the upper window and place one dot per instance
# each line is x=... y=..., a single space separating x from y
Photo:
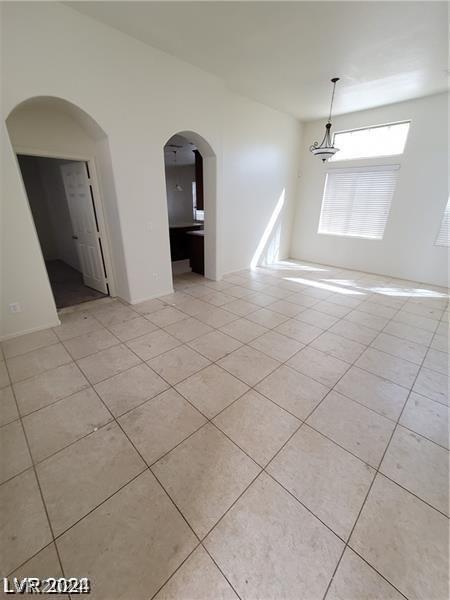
x=356 y=202
x=444 y=232
x=382 y=140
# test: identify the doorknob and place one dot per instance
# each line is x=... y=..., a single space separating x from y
x=74 y=237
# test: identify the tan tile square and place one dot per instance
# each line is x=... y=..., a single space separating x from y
x=217 y=298
x=166 y=316
x=133 y=328
x=276 y=345
x=420 y=466
x=150 y=345
x=328 y=480
x=257 y=425
x=248 y=364
x=293 y=391
x=243 y=330
x=385 y=365
x=240 y=307
x=13 y=450
x=441 y=343
x=286 y=308
x=316 y=318
x=113 y=313
x=401 y=348
x=428 y=418
x=436 y=360
x=149 y=306
x=355 y=579
x=298 y=330
x=107 y=363
x=160 y=424
x=139 y=522
x=177 y=364
x=302 y=299
x=238 y=291
x=362 y=318
x=28 y=342
x=260 y=299
x=270 y=546
x=43 y=565
x=91 y=342
x=417 y=321
x=354 y=331
x=4 y=377
x=433 y=385
x=198 y=578
x=409 y=332
x=405 y=540
x=37 y=361
x=23 y=524
x=320 y=366
x=74 y=324
x=332 y=309
x=127 y=390
x=215 y=317
x=211 y=390
x=64 y=422
x=78 y=478
x=188 y=329
x=338 y=346
x=8 y=408
x=382 y=396
x=204 y=475
x=215 y=345
x=41 y=390
x=379 y=310
x=267 y=318
x=353 y=426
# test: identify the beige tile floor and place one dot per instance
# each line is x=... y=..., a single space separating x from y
x=280 y=434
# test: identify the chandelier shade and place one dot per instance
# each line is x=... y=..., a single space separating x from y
x=325 y=149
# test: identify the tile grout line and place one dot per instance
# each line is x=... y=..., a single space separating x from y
x=214 y=362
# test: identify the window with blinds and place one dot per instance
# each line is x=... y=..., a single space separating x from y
x=444 y=231
x=356 y=202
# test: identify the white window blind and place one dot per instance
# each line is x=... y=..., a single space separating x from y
x=356 y=202
x=444 y=232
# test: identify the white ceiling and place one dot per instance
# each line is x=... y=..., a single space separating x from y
x=284 y=53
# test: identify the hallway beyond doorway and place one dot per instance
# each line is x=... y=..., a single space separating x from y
x=67 y=285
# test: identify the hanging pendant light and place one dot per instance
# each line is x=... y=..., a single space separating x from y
x=325 y=149
x=178 y=187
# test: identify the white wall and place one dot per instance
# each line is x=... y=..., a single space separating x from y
x=179 y=204
x=407 y=249
x=132 y=91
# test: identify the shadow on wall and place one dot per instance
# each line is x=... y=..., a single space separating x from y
x=268 y=249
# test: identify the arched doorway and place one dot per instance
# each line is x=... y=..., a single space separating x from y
x=190 y=170
x=60 y=150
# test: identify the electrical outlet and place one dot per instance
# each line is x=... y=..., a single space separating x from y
x=155 y=275
x=15 y=307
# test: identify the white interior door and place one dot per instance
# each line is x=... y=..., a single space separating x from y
x=84 y=224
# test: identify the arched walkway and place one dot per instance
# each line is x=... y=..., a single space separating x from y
x=56 y=141
x=209 y=193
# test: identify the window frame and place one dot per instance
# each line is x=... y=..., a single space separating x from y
x=370 y=158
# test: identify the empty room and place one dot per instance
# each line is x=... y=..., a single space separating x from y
x=225 y=231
